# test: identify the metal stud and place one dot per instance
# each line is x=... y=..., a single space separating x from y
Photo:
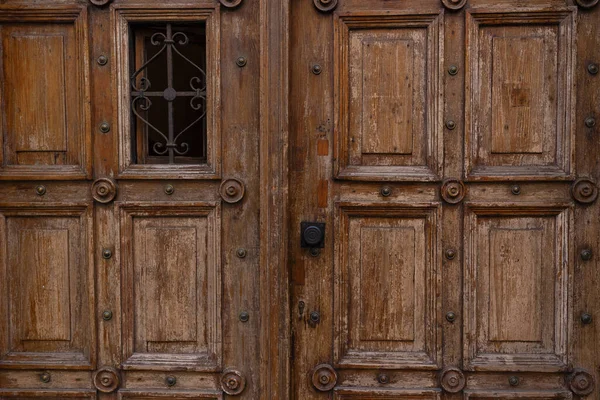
x=102 y=60
x=316 y=69
x=104 y=127
x=170 y=380
x=450 y=124
x=515 y=189
x=107 y=315
x=241 y=252
x=586 y=254
x=45 y=377
x=586 y=318
x=451 y=316
x=590 y=122
x=315 y=317
x=592 y=68
x=40 y=190
x=106 y=254
x=383 y=378
x=386 y=191
x=453 y=70
x=244 y=316
x=513 y=381
x=169 y=189
x=314 y=251
x=241 y=62
x=450 y=254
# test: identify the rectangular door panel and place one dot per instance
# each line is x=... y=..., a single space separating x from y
x=520 y=94
x=45 y=127
x=387 y=286
x=517 y=287
x=48 y=287
x=172 y=285
x=387 y=77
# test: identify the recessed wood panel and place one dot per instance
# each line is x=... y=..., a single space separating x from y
x=42 y=263
x=386 y=284
x=520 y=96
x=48 y=287
x=515 y=277
x=172 y=285
x=383 y=71
x=516 y=287
x=386 y=83
x=44 y=106
x=387 y=261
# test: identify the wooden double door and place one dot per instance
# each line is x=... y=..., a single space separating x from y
x=304 y=199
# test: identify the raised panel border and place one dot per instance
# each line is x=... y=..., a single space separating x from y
x=78 y=15
x=121 y=16
x=170 y=394
x=358 y=393
x=426 y=360
x=433 y=21
x=565 y=19
x=149 y=361
x=555 y=362
x=523 y=394
x=24 y=360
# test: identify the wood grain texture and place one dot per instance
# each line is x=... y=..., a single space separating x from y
x=519 y=112
x=517 y=288
x=49 y=286
x=392 y=251
x=44 y=116
x=387 y=91
x=171 y=278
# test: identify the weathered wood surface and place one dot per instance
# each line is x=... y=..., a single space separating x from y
x=460 y=259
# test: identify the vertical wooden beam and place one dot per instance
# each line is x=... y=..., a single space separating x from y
x=274 y=288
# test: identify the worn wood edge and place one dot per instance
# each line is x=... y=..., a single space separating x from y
x=274 y=289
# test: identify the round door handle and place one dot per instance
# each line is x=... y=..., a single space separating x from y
x=313 y=235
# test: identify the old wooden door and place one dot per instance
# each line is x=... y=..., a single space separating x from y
x=450 y=148
x=130 y=199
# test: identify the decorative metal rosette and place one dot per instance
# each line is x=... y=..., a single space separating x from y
x=106 y=379
x=233 y=382
x=324 y=377
x=100 y=2
x=584 y=191
x=452 y=380
x=453 y=191
x=587 y=3
x=230 y=3
x=104 y=190
x=232 y=190
x=581 y=382
x=454 y=4
x=325 y=5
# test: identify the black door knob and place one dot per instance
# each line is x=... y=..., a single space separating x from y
x=313 y=234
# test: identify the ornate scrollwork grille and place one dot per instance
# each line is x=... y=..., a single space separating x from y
x=170 y=143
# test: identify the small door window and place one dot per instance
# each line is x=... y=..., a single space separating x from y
x=168 y=93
